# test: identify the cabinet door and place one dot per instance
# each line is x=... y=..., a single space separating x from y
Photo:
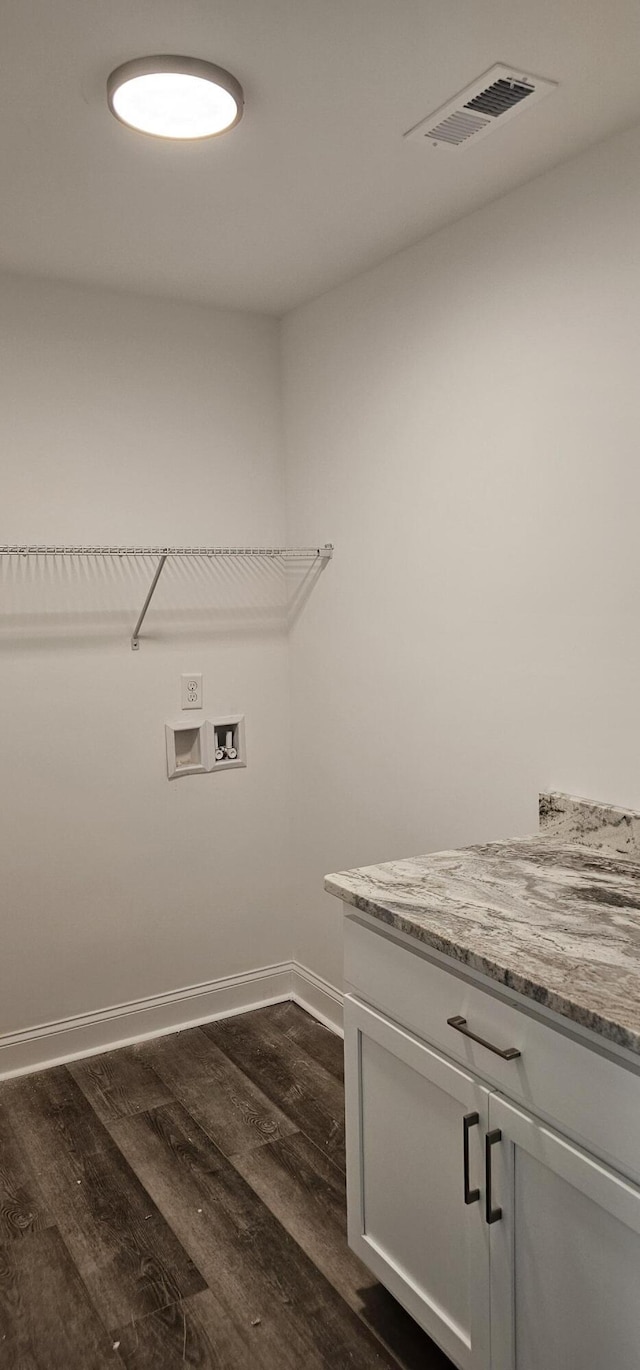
x=415 y=1181
x=565 y=1253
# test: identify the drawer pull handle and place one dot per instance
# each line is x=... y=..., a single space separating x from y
x=470 y=1120
x=460 y=1025
x=493 y=1215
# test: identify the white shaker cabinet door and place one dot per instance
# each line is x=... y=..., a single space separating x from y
x=415 y=1181
x=565 y=1252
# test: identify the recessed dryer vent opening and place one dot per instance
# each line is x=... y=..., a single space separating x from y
x=487 y=104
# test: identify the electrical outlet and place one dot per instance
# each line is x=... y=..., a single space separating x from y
x=191 y=691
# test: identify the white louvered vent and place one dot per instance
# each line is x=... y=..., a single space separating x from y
x=487 y=104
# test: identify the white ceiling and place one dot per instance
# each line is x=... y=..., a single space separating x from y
x=316 y=183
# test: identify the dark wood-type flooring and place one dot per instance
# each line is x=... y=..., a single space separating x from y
x=181 y=1203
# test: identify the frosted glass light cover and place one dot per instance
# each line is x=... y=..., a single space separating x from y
x=175 y=97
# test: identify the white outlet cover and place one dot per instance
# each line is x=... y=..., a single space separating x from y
x=191 y=690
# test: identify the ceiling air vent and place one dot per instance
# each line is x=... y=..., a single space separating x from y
x=490 y=102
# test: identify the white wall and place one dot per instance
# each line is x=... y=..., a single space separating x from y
x=463 y=423
x=134 y=421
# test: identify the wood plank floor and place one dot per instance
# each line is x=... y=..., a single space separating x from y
x=182 y=1203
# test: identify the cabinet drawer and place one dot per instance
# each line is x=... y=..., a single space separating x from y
x=585 y=1094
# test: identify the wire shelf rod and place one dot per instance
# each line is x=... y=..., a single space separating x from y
x=51 y=549
x=54 y=550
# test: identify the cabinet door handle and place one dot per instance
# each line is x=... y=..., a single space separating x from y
x=460 y=1025
x=470 y=1120
x=493 y=1215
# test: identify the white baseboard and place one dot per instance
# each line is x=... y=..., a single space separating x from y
x=319 y=998
x=87 y=1034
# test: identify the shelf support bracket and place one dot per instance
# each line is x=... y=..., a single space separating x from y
x=158 y=571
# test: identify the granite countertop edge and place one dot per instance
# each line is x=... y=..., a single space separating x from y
x=503 y=975
x=574 y=833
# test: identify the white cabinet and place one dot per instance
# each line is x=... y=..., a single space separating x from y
x=565 y=1255
x=513 y=1245
x=406 y=1144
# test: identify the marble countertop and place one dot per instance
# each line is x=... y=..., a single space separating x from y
x=555 y=916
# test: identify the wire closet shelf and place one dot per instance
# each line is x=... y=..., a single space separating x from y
x=285 y=554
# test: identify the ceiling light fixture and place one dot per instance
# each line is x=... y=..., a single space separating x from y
x=175 y=97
